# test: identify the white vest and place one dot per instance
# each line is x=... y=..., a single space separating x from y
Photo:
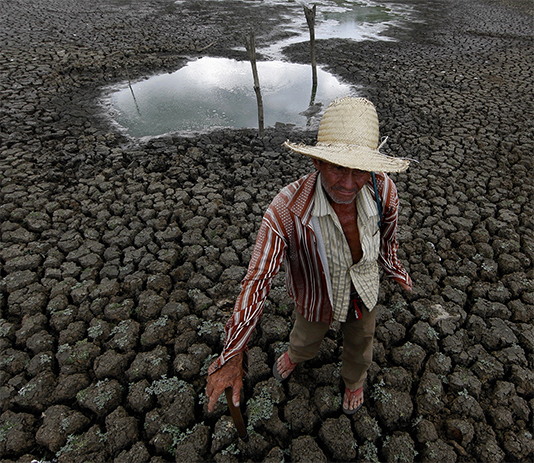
x=335 y=254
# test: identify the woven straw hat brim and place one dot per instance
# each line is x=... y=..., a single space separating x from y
x=351 y=156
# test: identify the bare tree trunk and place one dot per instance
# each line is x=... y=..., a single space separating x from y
x=310 y=19
x=250 y=45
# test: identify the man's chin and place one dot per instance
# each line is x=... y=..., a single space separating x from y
x=343 y=199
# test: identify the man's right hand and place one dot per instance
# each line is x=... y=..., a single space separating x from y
x=229 y=375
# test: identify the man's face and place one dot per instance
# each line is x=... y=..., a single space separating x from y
x=341 y=183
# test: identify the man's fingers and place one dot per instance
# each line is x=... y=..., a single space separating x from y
x=211 y=404
x=214 y=396
x=213 y=391
x=236 y=396
x=236 y=390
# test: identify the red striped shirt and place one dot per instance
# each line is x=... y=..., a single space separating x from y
x=286 y=235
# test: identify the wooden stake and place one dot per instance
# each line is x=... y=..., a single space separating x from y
x=310 y=19
x=236 y=416
x=250 y=45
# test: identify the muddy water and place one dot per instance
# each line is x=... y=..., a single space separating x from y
x=218 y=92
x=214 y=92
x=353 y=20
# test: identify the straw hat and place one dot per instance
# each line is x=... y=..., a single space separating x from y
x=348 y=137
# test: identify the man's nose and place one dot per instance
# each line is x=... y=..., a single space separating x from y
x=347 y=181
x=353 y=180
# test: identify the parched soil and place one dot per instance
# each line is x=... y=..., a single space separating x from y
x=120 y=260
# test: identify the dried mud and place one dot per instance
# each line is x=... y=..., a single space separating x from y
x=120 y=260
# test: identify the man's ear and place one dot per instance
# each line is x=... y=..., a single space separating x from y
x=316 y=162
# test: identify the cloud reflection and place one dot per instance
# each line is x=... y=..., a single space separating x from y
x=218 y=92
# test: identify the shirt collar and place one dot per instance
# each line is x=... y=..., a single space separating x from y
x=321 y=206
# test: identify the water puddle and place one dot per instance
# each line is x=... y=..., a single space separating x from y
x=216 y=92
x=211 y=93
x=353 y=20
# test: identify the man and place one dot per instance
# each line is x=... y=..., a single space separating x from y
x=332 y=228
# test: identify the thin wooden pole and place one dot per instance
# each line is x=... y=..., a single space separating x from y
x=310 y=19
x=236 y=416
x=250 y=45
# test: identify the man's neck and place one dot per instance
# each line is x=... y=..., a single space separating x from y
x=342 y=209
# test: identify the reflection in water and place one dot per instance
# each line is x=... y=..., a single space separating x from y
x=355 y=20
x=218 y=92
x=215 y=92
x=343 y=19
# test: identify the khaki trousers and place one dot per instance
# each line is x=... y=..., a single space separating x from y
x=306 y=337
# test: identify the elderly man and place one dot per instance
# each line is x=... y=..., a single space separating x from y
x=332 y=228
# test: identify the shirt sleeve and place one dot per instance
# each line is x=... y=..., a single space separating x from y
x=389 y=245
x=267 y=258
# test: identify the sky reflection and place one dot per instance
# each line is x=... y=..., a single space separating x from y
x=218 y=92
x=215 y=92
